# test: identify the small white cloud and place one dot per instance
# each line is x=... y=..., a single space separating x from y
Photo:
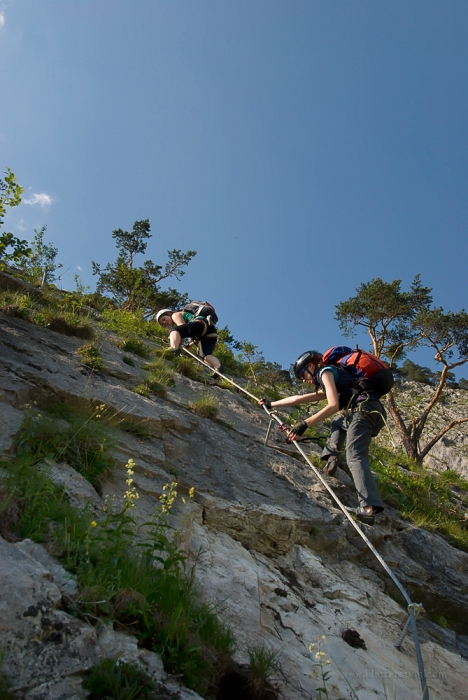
x=43 y=199
x=20 y=225
x=79 y=268
x=2 y=19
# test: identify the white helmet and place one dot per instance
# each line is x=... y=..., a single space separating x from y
x=163 y=312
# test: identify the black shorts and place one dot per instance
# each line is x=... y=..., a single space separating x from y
x=196 y=330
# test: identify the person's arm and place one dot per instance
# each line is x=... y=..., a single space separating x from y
x=331 y=394
x=296 y=400
x=178 y=318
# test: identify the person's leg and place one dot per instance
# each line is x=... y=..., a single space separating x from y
x=207 y=345
x=363 y=425
x=175 y=340
x=334 y=445
x=336 y=439
x=194 y=329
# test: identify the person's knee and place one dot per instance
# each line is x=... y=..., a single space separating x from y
x=213 y=361
x=175 y=339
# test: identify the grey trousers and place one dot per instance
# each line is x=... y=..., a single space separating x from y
x=357 y=429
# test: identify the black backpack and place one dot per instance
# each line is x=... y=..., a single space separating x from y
x=202 y=308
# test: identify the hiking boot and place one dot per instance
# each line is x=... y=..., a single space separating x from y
x=220 y=369
x=331 y=465
x=363 y=517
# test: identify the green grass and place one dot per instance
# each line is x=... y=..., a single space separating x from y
x=82 y=441
x=263 y=663
x=48 y=311
x=436 y=502
x=206 y=406
x=118 y=680
x=189 y=368
x=160 y=377
x=137 y=346
x=129 y=324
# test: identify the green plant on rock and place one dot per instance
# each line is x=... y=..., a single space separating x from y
x=187 y=367
x=144 y=583
x=79 y=440
x=263 y=664
x=159 y=378
x=134 y=574
x=129 y=324
x=206 y=406
x=136 y=346
x=118 y=680
x=437 y=502
x=91 y=356
x=142 y=390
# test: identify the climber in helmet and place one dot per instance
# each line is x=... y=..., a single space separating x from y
x=363 y=419
x=185 y=324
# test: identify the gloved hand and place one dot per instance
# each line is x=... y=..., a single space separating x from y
x=299 y=428
x=266 y=403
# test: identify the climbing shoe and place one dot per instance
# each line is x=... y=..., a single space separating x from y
x=331 y=466
x=363 y=517
x=175 y=352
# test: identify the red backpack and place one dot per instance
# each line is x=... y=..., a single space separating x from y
x=371 y=373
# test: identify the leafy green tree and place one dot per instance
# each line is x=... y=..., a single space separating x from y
x=416 y=373
x=10 y=196
x=253 y=359
x=463 y=383
x=40 y=267
x=386 y=313
x=138 y=288
x=398 y=322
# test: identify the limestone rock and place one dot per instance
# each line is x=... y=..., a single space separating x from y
x=272 y=551
x=78 y=490
x=11 y=420
x=64 y=580
x=41 y=643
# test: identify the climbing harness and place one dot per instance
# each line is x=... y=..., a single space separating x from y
x=359 y=408
x=414 y=609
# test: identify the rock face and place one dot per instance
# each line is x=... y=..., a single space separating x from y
x=452 y=450
x=270 y=547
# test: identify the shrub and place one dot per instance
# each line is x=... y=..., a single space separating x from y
x=142 y=390
x=90 y=356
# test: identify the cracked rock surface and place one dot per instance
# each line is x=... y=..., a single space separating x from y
x=270 y=547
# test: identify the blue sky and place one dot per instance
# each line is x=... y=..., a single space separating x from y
x=301 y=147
